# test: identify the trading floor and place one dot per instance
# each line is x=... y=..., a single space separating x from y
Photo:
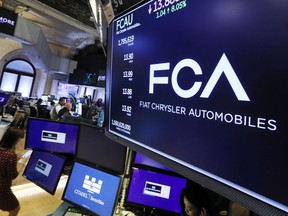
x=36 y=201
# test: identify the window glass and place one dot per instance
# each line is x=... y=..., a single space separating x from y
x=18 y=76
x=9 y=81
x=21 y=66
x=25 y=85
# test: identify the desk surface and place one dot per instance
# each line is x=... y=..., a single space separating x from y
x=4 y=123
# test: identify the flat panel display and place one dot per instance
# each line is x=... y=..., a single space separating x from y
x=44 y=169
x=203 y=84
x=143 y=160
x=4 y=97
x=64 y=89
x=92 y=189
x=96 y=148
x=8 y=20
x=47 y=135
x=155 y=190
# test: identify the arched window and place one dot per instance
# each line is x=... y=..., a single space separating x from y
x=18 y=76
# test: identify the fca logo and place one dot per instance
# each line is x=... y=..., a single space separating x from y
x=91 y=185
x=223 y=67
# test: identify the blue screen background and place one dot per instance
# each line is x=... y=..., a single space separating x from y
x=108 y=192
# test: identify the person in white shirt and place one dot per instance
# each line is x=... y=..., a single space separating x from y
x=54 y=112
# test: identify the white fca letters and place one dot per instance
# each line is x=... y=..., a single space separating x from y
x=223 y=66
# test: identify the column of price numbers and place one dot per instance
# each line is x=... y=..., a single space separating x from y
x=127 y=75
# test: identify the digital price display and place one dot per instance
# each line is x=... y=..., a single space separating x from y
x=204 y=83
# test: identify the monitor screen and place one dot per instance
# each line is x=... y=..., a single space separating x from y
x=207 y=91
x=92 y=189
x=47 y=135
x=90 y=79
x=143 y=160
x=44 y=169
x=4 y=97
x=155 y=190
x=96 y=148
x=8 y=21
x=64 y=89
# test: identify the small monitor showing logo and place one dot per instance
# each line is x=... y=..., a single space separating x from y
x=43 y=167
x=52 y=136
x=92 y=185
x=155 y=189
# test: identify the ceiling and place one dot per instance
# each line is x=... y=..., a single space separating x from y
x=68 y=25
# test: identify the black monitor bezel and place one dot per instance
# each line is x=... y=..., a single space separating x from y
x=100 y=166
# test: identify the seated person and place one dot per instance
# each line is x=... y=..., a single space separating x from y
x=64 y=111
x=54 y=112
x=40 y=108
x=51 y=106
x=195 y=201
x=10 y=107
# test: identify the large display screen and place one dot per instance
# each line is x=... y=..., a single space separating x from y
x=156 y=190
x=64 y=89
x=44 y=169
x=144 y=160
x=47 y=135
x=92 y=189
x=4 y=97
x=204 y=84
x=8 y=20
x=95 y=148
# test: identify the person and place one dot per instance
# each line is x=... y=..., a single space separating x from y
x=64 y=111
x=11 y=106
x=39 y=107
x=54 y=112
x=47 y=110
x=8 y=170
x=195 y=201
x=38 y=103
x=73 y=101
x=95 y=110
x=51 y=106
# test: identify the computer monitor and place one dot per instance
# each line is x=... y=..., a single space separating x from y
x=44 y=169
x=4 y=97
x=54 y=136
x=144 y=160
x=205 y=94
x=63 y=89
x=92 y=189
x=95 y=148
x=156 y=190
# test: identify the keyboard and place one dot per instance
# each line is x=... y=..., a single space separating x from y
x=74 y=211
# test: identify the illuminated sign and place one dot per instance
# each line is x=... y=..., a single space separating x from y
x=8 y=21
